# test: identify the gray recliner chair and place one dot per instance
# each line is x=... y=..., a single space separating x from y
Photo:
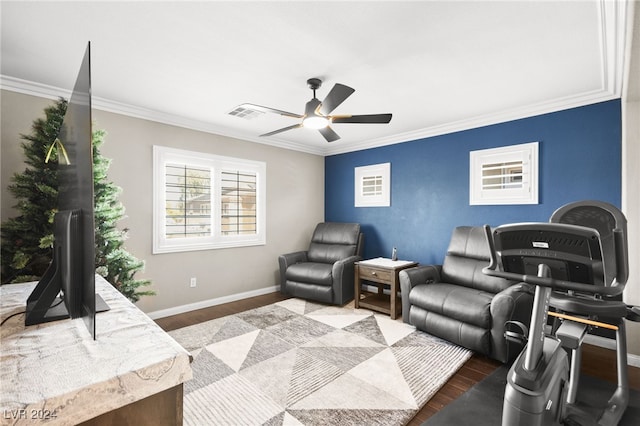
x=324 y=272
x=457 y=302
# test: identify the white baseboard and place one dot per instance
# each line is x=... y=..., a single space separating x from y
x=211 y=302
x=603 y=342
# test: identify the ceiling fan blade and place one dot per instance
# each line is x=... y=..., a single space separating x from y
x=271 y=110
x=329 y=134
x=370 y=118
x=336 y=96
x=284 y=129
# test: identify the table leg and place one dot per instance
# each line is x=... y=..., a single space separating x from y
x=357 y=284
x=394 y=294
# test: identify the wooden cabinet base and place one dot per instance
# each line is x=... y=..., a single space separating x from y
x=164 y=408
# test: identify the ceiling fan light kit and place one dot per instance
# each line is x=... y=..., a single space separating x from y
x=316 y=122
x=317 y=114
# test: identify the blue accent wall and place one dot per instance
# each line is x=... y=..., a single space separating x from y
x=579 y=158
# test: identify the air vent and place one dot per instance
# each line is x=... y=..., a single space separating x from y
x=242 y=111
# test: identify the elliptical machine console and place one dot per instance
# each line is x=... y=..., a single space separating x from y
x=567 y=264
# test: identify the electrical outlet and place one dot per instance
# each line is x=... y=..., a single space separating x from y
x=192 y=283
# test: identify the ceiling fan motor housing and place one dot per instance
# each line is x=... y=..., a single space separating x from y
x=311 y=107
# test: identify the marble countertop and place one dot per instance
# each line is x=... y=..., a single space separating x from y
x=55 y=373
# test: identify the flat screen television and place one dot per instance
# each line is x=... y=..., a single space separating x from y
x=67 y=289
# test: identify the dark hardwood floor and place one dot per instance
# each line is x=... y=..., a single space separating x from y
x=201 y=315
x=596 y=361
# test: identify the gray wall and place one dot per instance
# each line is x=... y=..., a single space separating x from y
x=295 y=202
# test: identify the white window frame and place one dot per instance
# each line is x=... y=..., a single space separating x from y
x=381 y=196
x=165 y=155
x=524 y=190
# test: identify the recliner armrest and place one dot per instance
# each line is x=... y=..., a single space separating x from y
x=343 y=276
x=286 y=260
x=348 y=260
x=514 y=303
x=424 y=274
x=295 y=257
x=345 y=267
x=411 y=277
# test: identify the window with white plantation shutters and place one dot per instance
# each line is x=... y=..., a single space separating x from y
x=204 y=201
x=372 y=185
x=238 y=198
x=506 y=175
x=187 y=201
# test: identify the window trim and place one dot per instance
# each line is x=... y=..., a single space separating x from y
x=163 y=155
x=381 y=198
x=527 y=193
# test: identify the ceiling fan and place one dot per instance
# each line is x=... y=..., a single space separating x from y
x=317 y=114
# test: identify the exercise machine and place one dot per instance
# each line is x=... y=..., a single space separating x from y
x=579 y=271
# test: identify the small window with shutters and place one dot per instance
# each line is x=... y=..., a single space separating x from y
x=238 y=198
x=204 y=201
x=506 y=175
x=187 y=212
x=373 y=185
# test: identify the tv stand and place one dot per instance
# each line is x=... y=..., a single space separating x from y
x=56 y=372
x=57 y=310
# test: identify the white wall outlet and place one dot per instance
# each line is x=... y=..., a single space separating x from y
x=192 y=282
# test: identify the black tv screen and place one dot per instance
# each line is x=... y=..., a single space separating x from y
x=76 y=189
x=71 y=276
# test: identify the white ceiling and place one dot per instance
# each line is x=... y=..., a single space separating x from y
x=438 y=66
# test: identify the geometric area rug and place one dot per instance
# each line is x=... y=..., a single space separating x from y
x=301 y=363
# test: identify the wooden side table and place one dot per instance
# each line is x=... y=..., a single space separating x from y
x=381 y=271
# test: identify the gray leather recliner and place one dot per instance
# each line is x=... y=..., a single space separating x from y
x=457 y=302
x=324 y=272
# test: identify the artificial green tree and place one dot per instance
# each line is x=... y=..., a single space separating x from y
x=36 y=192
x=27 y=239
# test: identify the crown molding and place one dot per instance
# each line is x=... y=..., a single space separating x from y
x=614 y=31
x=482 y=121
x=51 y=92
